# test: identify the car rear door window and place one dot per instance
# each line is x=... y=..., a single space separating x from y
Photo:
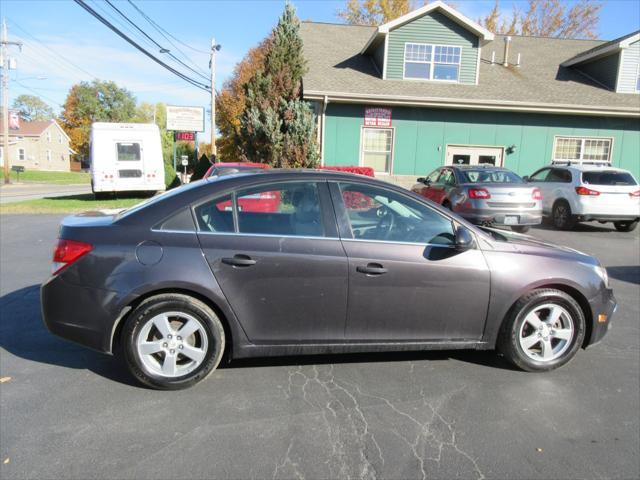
x=378 y=214
x=216 y=215
x=179 y=222
x=287 y=209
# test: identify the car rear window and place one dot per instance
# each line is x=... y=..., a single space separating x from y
x=610 y=178
x=490 y=176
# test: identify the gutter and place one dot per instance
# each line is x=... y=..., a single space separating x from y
x=491 y=105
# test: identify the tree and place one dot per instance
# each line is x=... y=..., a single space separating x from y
x=548 y=18
x=231 y=103
x=32 y=109
x=277 y=126
x=375 y=12
x=98 y=101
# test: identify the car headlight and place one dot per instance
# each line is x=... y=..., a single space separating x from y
x=602 y=273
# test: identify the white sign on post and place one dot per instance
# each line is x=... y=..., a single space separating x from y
x=185 y=119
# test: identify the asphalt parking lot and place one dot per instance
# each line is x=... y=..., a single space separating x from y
x=67 y=412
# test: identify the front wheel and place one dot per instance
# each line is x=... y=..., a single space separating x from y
x=543 y=331
x=172 y=341
x=626 y=226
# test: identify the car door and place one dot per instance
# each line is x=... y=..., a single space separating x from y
x=539 y=179
x=426 y=189
x=407 y=282
x=282 y=269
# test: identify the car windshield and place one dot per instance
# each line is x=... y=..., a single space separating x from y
x=608 y=177
x=490 y=176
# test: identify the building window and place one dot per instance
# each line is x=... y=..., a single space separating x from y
x=60 y=138
x=377 y=149
x=48 y=155
x=432 y=62
x=582 y=149
x=21 y=154
x=49 y=137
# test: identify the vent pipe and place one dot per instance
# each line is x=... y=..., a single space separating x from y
x=518 y=61
x=493 y=57
x=507 y=43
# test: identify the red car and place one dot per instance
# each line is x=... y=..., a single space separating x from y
x=262 y=202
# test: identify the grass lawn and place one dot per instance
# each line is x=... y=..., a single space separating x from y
x=67 y=204
x=61 y=178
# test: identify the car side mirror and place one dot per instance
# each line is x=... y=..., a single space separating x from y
x=426 y=181
x=421 y=180
x=526 y=178
x=464 y=238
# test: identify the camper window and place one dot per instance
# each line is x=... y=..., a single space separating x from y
x=128 y=152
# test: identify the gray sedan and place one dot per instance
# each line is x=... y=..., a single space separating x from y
x=312 y=262
x=485 y=195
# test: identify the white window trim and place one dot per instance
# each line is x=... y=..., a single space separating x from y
x=22 y=153
x=49 y=157
x=361 y=148
x=431 y=63
x=49 y=136
x=582 y=139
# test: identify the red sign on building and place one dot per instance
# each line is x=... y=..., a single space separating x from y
x=377 y=117
x=185 y=136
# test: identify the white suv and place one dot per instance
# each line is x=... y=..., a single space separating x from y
x=582 y=192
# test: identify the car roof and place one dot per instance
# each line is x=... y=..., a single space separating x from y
x=587 y=167
x=477 y=167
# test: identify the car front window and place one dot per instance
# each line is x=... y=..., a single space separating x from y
x=379 y=214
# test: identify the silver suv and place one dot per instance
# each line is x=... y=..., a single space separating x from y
x=585 y=192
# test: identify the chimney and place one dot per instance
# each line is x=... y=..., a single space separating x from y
x=507 y=42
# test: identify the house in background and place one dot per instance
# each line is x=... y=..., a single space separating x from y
x=433 y=88
x=38 y=146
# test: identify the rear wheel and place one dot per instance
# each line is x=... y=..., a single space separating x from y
x=626 y=226
x=172 y=341
x=521 y=228
x=543 y=331
x=561 y=216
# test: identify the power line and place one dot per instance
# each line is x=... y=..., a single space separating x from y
x=32 y=90
x=162 y=49
x=195 y=83
x=163 y=31
x=168 y=37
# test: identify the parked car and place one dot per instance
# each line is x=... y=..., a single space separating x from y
x=484 y=195
x=584 y=192
x=176 y=281
x=226 y=168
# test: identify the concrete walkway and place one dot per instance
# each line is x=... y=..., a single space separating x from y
x=16 y=192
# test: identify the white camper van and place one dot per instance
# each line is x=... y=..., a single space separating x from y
x=126 y=157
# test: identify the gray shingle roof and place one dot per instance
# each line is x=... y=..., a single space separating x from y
x=336 y=67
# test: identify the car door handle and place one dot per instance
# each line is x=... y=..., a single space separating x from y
x=372 y=269
x=239 y=261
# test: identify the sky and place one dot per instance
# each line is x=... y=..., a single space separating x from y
x=64 y=44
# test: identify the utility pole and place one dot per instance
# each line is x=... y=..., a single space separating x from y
x=6 y=64
x=212 y=65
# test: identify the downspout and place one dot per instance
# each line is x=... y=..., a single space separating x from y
x=322 y=124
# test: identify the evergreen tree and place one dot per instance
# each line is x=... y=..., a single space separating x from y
x=277 y=126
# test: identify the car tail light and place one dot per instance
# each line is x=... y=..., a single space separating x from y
x=479 y=193
x=536 y=194
x=68 y=252
x=635 y=194
x=587 y=191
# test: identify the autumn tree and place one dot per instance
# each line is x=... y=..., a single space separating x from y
x=547 y=18
x=97 y=101
x=32 y=109
x=375 y=12
x=277 y=126
x=231 y=103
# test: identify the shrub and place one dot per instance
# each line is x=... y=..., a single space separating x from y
x=171 y=180
x=201 y=168
x=368 y=171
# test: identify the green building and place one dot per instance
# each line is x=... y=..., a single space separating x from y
x=434 y=88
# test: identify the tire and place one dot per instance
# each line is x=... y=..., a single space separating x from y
x=168 y=366
x=626 y=226
x=521 y=228
x=561 y=216
x=523 y=344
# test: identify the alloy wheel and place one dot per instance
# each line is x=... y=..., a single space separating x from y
x=172 y=344
x=546 y=333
